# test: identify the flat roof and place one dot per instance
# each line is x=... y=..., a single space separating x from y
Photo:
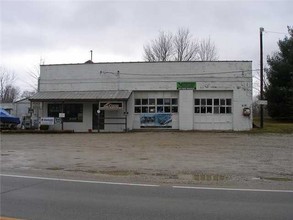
x=144 y=62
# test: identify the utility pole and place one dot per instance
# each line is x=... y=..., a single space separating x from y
x=261 y=30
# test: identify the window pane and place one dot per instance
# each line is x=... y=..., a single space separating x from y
x=167 y=101
x=216 y=102
x=209 y=101
x=137 y=109
x=228 y=101
x=152 y=109
x=159 y=101
x=228 y=110
x=209 y=110
x=196 y=101
x=144 y=109
x=144 y=101
x=79 y=117
x=160 y=109
x=216 y=110
x=73 y=112
x=137 y=102
x=152 y=102
x=54 y=110
x=203 y=110
x=167 y=109
x=203 y=101
x=174 y=101
x=222 y=102
x=174 y=109
x=222 y=110
x=196 y=110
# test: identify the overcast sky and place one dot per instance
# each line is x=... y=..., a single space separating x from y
x=65 y=31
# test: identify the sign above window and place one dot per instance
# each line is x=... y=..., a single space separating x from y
x=111 y=105
x=186 y=85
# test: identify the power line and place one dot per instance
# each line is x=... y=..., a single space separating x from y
x=190 y=74
x=274 y=32
x=153 y=78
x=153 y=75
x=135 y=81
x=256 y=77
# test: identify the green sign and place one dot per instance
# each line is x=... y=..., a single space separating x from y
x=186 y=85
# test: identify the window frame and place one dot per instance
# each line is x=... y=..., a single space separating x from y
x=69 y=117
x=167 y=105
x=213 y=106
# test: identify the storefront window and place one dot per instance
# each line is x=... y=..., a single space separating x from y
x=54 y=110
x=73 y=112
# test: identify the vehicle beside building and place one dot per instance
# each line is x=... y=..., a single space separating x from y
x=19 y=109
x=8 y=121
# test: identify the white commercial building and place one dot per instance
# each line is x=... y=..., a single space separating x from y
x=215 y=95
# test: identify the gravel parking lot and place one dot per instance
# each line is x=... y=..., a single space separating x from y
x=200 y=158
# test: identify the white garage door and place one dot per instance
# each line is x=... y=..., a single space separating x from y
x=213 y=110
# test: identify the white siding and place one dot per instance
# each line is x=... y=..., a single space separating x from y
x=140 y=76
x=231 y=79
x=185 y=109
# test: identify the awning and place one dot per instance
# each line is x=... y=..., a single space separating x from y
x=81 y=95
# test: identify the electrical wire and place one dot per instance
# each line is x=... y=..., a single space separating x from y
x=133 y=81
x=274 y=32
x=191 y=74
x=163 y=76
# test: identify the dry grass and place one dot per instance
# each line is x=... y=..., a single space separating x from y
x=273 y=126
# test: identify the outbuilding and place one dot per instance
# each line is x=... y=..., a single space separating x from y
x=122 y=96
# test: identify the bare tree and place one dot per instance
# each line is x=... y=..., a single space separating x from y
x=160 y=49
x=10 y=94
x=207 y=50
x=179 y=47
x=185 y=47
x=8 y=91
x=27 y=94
x=34 y=74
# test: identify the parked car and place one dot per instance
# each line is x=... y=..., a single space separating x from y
x=8 y=121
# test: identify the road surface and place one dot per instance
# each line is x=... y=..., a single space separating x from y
x=46 y=198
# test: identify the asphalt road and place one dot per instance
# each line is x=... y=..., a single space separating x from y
x=55 y=199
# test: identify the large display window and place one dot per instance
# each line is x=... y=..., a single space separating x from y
x=73 y=112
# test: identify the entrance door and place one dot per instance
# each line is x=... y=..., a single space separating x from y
x=98 y=118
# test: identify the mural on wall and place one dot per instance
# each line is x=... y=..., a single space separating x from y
x=156 y=120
